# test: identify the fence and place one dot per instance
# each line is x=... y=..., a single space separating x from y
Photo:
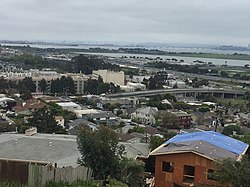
x=25 y=173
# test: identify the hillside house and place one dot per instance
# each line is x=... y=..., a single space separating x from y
x=188 y=159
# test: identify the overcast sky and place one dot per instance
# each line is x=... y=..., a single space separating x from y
x=170 y=21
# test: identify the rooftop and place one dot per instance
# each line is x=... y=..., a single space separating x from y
x=148 y=110
x=60 y=149
x=207 y=143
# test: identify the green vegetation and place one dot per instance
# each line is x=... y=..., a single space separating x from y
x=95 y=183
x=166 y=120
x=86 y=64
x=101 y=152
x=234 y=172
x=156 y=141
x=235 y=103
x=43 y=120
x=93 y=86
x=63 y=86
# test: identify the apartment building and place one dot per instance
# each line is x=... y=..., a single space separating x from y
x=48 y=76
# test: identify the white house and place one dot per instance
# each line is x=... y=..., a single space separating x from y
x=145 y=115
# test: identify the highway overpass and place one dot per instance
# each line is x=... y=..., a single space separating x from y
x=194 y=92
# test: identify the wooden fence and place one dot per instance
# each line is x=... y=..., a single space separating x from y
x=27 y=174
x=40 y=175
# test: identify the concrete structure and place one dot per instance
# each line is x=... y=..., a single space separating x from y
x=136 y=86
x=127 y=102
x=194 y=92
x=145 y=115
x=177 y=83
x=188 y=159
x=70 y=106
x=118 y=78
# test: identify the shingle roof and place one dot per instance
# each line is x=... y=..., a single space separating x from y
x=60 y=149
x=208 y=143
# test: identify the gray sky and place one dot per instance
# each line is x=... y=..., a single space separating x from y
x=174 y=21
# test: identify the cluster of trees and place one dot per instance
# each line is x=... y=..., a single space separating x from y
x=101 y=151
x=93 y=86
x=24 y=87
x=157 y=81
x=233 y=172
x=44 y=119
x=183 y=68
x=156 y=101
x=86 y=64
x=78 y=64
x=64 y=85
x=196 y=83
x=166 y=120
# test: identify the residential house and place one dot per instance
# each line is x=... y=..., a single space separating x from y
x=184 y=119
x=102 y=117
x=188 y=159
x=26 y=107
x=75 y=125
x=145 y=115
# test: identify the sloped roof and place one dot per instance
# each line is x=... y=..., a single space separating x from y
x=208 y=143
x=55 y=148
x=148 y=110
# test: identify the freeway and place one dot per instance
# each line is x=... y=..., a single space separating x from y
x=220 y=91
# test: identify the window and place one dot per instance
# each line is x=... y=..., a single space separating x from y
x=188 y=175
x=168 y=167
x=210 y=174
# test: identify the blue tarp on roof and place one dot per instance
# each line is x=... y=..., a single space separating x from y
x=214 y=138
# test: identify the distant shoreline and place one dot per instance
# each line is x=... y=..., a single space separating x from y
x=133 y=50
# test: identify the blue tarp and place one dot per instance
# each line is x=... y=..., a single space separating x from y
x=214 y=138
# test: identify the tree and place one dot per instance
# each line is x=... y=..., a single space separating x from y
x=132 y=171
x=224 y=74
x=3 y=84
x=234 y=172
x=63 y=86
x=166 y=120
x=230 y=129
x=44 y=121
x=156 y=141
x=100 y=151
x=203 y=109
x=25 y=95
x=42 y=85
x=27 y=84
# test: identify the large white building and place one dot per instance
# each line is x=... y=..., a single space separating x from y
x=118 y=78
